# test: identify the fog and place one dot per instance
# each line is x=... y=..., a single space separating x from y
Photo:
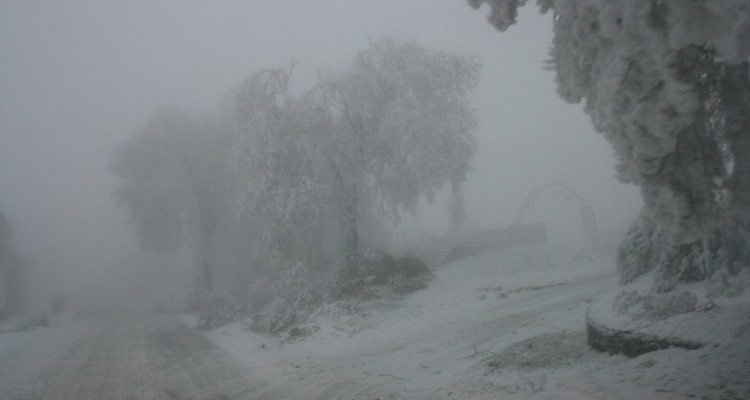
x=79 y=77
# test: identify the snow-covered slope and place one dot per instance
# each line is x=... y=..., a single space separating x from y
x=508 y=324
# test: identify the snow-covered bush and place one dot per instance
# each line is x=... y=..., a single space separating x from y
x=382 y=268
x=32 y=322
x=297 y=295
x=288 y=306
x=648 y=246
x=217 y=309
x=638 y=252
x=657 y=305
x=723 y=283
x=379 y=270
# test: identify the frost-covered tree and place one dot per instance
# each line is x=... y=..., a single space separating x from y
x=666 y=83
x=278 y=152
x=401 y=128
x=174 y=184
x=393 y=127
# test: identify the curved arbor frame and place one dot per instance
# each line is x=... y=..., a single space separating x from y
x=555 y=190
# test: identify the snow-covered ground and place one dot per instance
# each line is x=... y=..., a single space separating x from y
x=119 y=355
x=508 y=324
x=27 y=355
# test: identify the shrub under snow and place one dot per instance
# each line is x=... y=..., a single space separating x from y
x=296 y=296
x=656 y=305
x=381 y=271
x=217 y=309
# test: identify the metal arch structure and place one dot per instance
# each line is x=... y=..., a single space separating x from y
x=557 y=189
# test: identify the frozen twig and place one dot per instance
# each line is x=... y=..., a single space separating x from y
x=477 y=352
x=392 y=376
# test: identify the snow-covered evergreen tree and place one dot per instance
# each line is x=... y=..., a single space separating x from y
x=667 y=83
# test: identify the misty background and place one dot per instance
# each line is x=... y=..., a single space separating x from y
x=79 y=77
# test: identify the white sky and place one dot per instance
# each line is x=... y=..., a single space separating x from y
x=77 y=77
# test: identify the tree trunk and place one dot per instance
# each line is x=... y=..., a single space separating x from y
x=349 y=230
x=347 y=194
x=736 y=98
x=207 y=224
x=208 y=277
x=456 y=206
x=15 y=287
x=204 y=274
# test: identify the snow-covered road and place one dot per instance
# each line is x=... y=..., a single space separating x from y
x=436 y=343
x=123 y=357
